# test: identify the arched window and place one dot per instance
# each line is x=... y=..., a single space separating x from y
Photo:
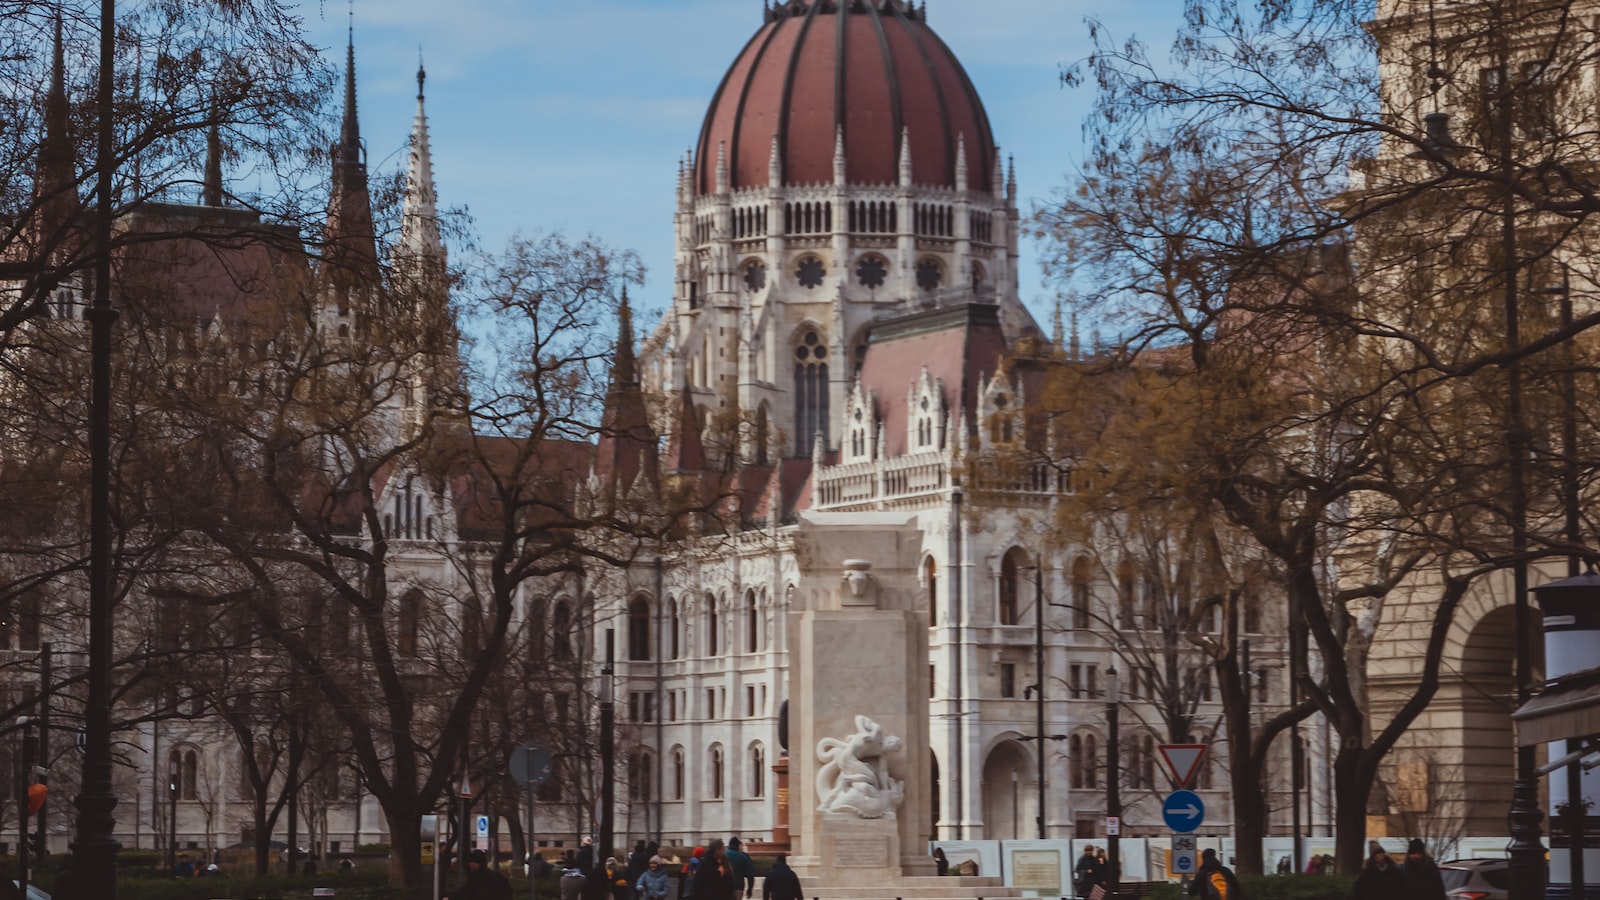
x=713 y=626
x=810 y=392
x=718 y=764
x=408 y=629
x=761 y=427
x=674 y=626
x=639 y=629
x=536 y=632
x=677 y=773
x=640 y=770
x=1081 y=596
x=758 y=772
x=183 y=768
x=930 y=576
x=1126 y=587
x=561 y=632
x=1010 y=583
x=752 y=623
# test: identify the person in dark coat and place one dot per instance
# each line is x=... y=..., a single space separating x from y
x=1088 y=872
x=941 y=865
x=638 y=862
x=483 y=882
x=744 y=870
x=1380 y=879
x=586 y=860
x=715 y=879
x=781 y=882
x=595 y=885
x=1421 y=874
x=1214 y=881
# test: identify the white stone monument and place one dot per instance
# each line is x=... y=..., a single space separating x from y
x=858 y=707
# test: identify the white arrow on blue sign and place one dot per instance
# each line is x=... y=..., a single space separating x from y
x=1183 y=811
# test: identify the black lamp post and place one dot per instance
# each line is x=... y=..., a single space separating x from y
x=172 y=820
x=1113 y=785
x=94 y=852
x=608 y=744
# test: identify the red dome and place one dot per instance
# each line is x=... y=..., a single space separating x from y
x=871 y=67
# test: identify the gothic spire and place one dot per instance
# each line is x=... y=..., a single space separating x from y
x=54 y=182
x=352 y=251
x=419 y=224
x=211 y=192
x=627 y=445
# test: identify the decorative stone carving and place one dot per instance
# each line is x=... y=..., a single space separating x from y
x=864 y=774
x=860 y=586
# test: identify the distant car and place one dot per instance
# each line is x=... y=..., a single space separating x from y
x=1476 y=879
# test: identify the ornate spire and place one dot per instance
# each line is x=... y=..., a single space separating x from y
x=999 y=180
x=722 y=168
x=839 y=173
x=1011 y=179
x=54 y=182
x=419 y=224
x=212 y=193
x=775 y=164
x=352 y=253
x=627 y=446
x=905 y=156
x=961 y=161
x=686 y=451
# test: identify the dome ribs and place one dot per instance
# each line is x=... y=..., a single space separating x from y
x=922 y=96
x=794 y=170
x=988 y=154
x=750 y=138
x=701 y=174
x=897 y=116
x=878 y=76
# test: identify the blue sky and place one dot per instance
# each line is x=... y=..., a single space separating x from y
x=571 y=116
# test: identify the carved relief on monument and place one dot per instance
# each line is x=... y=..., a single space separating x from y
x=864 y=774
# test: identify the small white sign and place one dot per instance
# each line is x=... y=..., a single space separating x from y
x=483 y=833
x=1185 y=858
x=1113 y=826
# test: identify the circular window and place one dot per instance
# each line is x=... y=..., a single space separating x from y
x=810 y=272
x=929 y=275
x=872 y=272
x=755 y=276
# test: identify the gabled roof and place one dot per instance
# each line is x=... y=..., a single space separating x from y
x=956 y=344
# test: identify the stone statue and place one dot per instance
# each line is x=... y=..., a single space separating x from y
x=864 y=774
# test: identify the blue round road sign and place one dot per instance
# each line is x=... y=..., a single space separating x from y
x=1183 y=811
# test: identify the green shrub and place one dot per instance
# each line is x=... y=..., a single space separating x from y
x=1274 y=887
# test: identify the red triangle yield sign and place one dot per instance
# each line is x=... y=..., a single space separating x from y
x=1183 y=760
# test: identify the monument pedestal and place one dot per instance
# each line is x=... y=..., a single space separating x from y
x=862 y=851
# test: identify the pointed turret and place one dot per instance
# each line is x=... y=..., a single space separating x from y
x=351 y=255
x=905 y=156
x=839 y=173
x=686 y=451
x=212 y=192
x=1011 y=180
x=56 y=179
x=421 y=249
x=775 y=164
x=961 y=162
x=1058 y=335
x=627 y=446
x=722 y=169
x=999 y=179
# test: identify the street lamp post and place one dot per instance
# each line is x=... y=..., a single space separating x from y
x=1113 y=785
x=94 y=852
x=608 y=744
x=172 y=820
x=1039 y=675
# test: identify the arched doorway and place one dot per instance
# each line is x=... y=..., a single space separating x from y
x=1488 y=696
x=1010 y=794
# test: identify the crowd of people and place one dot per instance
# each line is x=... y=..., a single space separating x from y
x=716 y=871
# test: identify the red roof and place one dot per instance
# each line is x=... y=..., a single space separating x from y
x=957 y=344
x=869 y=67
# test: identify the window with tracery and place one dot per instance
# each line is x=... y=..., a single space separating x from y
x=810 y=392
